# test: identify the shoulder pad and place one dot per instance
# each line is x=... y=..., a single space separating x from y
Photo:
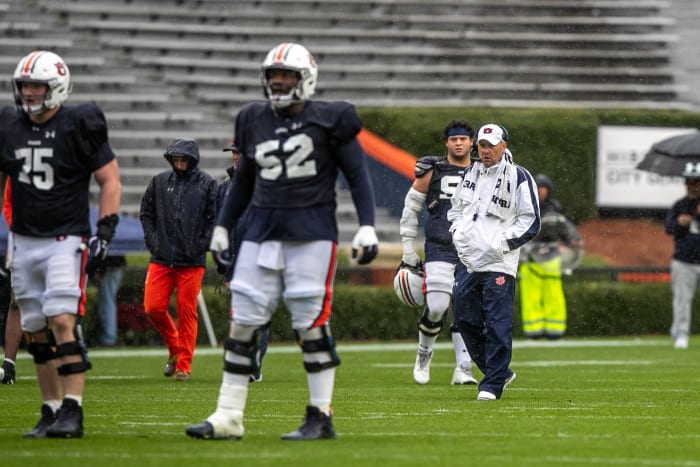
x=339 y=118
x=426 y=163
x=91 y=126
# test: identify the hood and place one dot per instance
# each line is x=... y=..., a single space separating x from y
x=183 y=147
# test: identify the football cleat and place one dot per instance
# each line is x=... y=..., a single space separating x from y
x=69 y=421
x=317 y=425
x=463 y=376
x=9 y=372
x=219 y=426
x=47 y=419
x=421 y=370
x=181 y=376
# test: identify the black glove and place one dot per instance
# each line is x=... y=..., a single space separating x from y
x=98 y=245
x=224 y=262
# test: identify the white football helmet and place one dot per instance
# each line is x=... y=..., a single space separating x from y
x=295 y=57
x=408 y=285
x=45 y=67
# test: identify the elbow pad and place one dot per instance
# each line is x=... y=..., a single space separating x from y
x=412 y=206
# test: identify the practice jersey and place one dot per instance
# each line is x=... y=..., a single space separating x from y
x=443 y=181
x=55 y=160
x=289 y=168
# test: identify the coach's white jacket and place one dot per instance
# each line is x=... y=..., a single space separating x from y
x=494 y=212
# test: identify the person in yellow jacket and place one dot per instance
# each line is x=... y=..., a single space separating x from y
x=542 y=300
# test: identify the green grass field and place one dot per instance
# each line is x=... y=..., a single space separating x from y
x=580 y=402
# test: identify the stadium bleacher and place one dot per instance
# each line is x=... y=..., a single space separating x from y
x=168 y=68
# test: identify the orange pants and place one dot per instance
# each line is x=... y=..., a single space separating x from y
x=160 y=283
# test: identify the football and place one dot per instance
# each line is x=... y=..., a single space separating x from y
x=2 y=373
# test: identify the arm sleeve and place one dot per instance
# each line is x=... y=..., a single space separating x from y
x=353 y=162
x=412 y=207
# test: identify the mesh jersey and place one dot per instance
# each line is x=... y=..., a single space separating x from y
x=289 y=168
x=50 y=191
x=444 y=180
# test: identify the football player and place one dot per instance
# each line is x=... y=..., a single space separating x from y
x=292 y=149
x=49 y=152
x=435 y=182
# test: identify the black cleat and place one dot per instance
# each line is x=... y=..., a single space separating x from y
x=69 y=421
x=47 y=419
x=204 y=430
x=317 y=425
x=9 y=369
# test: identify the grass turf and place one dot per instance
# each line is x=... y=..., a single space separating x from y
x=579 y=402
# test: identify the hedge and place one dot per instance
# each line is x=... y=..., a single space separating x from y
x=595 y=308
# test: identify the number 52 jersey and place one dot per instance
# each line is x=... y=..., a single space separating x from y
x=289 y=168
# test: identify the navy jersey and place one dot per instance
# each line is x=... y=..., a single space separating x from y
x=55 y=160
x=289 y=168
x=443 y=181
x=686 y=240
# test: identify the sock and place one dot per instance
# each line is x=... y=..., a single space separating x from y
x=461 y=353
x=425 y=343
x=78 y=399
x=321 y=389
x=54 y=404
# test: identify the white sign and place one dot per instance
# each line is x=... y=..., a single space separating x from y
x=618 y=183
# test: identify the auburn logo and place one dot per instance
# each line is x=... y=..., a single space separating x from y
x=60 y=68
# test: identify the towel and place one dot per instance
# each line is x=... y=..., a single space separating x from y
x=503 y=187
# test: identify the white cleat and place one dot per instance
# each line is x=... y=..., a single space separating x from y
x=486 y=396
x=681 y=342
x=421 y=370
x=463 y=376
x=227 y=425
x=219 y=425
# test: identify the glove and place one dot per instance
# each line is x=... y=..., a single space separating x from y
x=365 y=238
x=219 y=240
x=224 y=261
x=98 y=245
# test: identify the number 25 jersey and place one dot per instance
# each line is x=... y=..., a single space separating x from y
x=50 y=166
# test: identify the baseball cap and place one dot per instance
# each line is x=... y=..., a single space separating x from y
x=492 y=133
x=691 y=170
x=232 y=148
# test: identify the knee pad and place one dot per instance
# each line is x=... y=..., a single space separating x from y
x=318 y=347
x=437 y=304
x=73 y=348
x=42 y=352
x=428 y=327
x=242 y=349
